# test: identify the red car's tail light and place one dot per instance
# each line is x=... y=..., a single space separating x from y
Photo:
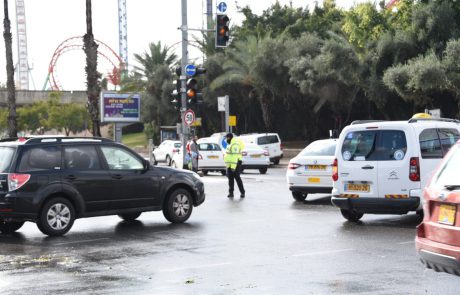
x=414 y=169
x=335 y=170
x=293 y=166
x=15 y=181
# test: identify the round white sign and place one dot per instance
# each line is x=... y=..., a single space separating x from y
x=189 y=117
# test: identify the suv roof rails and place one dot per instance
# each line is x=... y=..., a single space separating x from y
x=365 y=121
x=64 y=139
x=414 y=120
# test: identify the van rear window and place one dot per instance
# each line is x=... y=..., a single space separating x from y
x=383 y=145
x=267 y=139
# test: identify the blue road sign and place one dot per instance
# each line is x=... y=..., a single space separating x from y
x=222 y=7
x=190 y=70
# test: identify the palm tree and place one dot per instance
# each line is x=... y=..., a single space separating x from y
x=240 y=68
x=92 y=75
x=12 y=117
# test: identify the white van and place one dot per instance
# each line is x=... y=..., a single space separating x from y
x=381 y=167
x=270 y=142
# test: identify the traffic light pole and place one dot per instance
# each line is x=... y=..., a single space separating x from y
x=183 y=79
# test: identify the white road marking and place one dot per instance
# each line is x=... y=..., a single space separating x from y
x=82 y=241
x=195 y=267
x=409 y=242
x=322 y=252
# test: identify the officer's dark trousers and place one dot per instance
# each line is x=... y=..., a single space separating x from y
x=235 y=175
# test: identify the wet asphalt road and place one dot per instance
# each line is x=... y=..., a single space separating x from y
x=264 y=244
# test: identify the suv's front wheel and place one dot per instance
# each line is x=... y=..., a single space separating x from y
x=56 y=217
x=178 y=206
x=351 y=215
x=9 y=227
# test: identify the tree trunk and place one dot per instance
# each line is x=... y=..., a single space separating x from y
x=92 y=76
x=12 y=117
x=266 y=104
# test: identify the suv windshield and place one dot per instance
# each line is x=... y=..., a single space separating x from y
x=6 y=154
x=319 y=148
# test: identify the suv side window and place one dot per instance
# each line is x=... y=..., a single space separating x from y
x=40 y=158
x=81 y=158
x=120 y=159
x=359 y=146
x=430 y=146
x=392 y=145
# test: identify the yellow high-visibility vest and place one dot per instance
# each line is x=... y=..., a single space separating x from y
x=233 y=153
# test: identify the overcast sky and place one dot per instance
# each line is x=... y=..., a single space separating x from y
x=50 y=22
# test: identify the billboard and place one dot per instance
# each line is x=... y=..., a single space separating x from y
x=120 y=107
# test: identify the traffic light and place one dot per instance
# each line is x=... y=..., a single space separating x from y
x=193 y=96
x=176 y=102
x=222 y=30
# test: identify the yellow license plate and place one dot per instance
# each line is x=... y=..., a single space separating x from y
x=447 y=214
x=313 y=179
x=357 y=187
x=316 y=167
x=255 y=156
x=213 y=157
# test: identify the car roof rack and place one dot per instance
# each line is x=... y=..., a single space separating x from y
x=365 y=121
x=44 y=139
x=414 y=120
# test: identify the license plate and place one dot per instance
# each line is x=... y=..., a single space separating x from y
x=447 y=214
x=213 y=157
x=313 y=179
x=255 y=156
x=357 y=187
x=315 y=167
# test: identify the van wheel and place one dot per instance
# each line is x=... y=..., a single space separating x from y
x=263 y=170
x=298 y=196
x=205 y=172
x=130 y=216
x=223 y=172
x=56 y=217
x=9 y=227
x=276 y=162
x=178 y=206
x=351 y=215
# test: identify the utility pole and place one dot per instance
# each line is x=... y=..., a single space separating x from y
x=183 y=78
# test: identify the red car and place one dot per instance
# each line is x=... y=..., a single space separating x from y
x=438 y=236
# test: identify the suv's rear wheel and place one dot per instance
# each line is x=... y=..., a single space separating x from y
x=351 y=215
x=8 y=227
x=56 y=217
x=178 y=206
x=298 y=196
x=130 y=216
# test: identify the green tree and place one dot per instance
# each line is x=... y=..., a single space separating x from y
x=12 y=116
x=69 y=117
x=34 y=118
x=364 y=23
x=92 y=75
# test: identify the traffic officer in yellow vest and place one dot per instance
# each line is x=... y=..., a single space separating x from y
x=232 y=159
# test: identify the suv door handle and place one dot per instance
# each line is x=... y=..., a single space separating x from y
x=117 y=176
x=368 y=167
x=70 y=177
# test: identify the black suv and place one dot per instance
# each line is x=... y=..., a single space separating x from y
x=54 y=180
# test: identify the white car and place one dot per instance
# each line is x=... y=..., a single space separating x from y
x=254 y=157
x=382 y=167
x=311 y=170
x=166 y=151
x=211 y=158
x=270 y=142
